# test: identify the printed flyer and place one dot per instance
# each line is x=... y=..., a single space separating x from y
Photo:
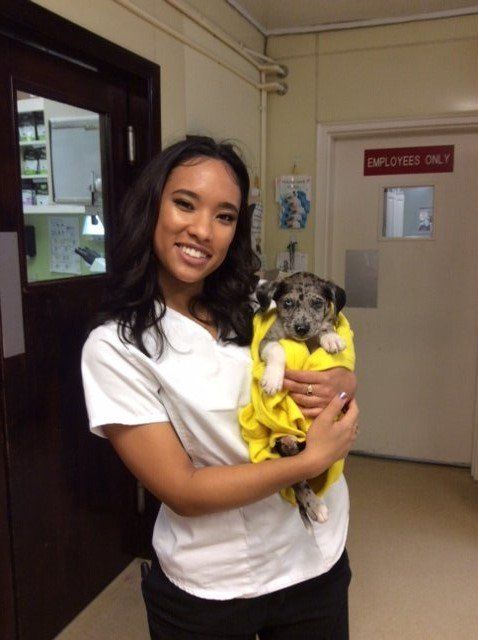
x=293 y=193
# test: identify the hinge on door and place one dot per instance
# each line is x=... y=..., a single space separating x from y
x=131 y=144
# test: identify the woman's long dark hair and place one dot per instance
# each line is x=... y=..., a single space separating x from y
x=134 y=293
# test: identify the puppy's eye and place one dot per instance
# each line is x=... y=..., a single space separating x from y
x=317 y=303
x=288 y=303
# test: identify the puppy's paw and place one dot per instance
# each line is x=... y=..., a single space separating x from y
x=310 y=504
x=332 y=342
x=289 y=446
x=316 y=509
x=272 y=380
x=322 y=512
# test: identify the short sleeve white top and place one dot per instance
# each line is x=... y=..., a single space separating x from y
x=198 y=384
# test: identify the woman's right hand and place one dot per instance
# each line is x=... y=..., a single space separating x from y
x=329 y=439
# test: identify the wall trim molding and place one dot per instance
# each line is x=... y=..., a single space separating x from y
x=352 y=24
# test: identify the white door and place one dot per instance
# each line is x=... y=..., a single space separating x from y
x=417 y=349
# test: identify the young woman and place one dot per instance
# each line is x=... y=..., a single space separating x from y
x=164 y=376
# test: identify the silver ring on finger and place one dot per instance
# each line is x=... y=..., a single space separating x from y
x=309 y=390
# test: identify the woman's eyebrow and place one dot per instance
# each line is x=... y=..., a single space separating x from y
x=186 y=192
x=192 y=194
x=229 y=205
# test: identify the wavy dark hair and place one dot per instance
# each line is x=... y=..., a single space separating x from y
x=134 y=293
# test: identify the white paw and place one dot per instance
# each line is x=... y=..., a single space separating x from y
x=332 y=342
x=272 y=380
x=316 y=508
x=322 y=513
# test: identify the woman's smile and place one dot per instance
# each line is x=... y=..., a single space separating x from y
x=197 y=254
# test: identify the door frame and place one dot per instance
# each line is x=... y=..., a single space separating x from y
x=327 y=135
x=39 y=29
x=27 y=22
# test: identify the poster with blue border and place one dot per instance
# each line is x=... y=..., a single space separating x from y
x=293 y=194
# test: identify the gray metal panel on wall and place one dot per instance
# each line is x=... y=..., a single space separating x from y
x=11 y=312
x=361 y=278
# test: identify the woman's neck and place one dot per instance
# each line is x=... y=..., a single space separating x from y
x=180 y=301
x=180 y=296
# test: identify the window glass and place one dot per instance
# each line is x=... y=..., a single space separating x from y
x=62 y=196
x=408 y=212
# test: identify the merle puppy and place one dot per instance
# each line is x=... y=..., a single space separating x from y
x=307 y=309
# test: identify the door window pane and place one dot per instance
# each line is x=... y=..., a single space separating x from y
x=408 y=212
x=62 y=195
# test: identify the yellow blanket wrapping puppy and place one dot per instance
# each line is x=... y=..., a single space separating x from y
x=268 y=418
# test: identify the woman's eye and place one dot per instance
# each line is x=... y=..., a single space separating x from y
x=183 y=204
x=228 y=218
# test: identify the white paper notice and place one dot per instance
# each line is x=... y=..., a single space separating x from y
x=64 y=238
x=300 y=262
x=293 y=193
x=256 y=227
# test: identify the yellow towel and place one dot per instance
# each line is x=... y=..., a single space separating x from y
x=268 y=418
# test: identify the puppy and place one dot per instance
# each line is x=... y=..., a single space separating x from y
x=307 y=309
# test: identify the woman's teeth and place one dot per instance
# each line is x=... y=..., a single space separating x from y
x=195 y=253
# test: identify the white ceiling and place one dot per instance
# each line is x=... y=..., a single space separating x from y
x=293 y=16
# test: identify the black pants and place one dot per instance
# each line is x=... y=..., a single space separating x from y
x=316 y=609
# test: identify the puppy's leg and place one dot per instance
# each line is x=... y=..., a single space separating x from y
x=311 y=507
x=274 y=356
x=331 y=341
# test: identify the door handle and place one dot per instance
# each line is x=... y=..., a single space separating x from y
x=11 y=311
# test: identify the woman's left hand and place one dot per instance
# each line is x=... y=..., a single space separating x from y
x=313 y=390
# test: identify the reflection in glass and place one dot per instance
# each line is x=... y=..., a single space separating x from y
x=408 y=212
x=60 y=165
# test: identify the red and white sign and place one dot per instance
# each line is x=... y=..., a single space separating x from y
x=380 y=162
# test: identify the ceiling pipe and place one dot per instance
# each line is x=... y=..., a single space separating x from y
x=280 y=70
x=277 y=87
x=214 y=30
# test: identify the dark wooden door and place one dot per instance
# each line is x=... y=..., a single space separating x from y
x=72 y=522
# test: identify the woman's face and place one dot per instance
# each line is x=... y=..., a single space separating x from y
x=196 y=222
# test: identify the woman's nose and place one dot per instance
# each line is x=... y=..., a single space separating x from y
x=201 y=226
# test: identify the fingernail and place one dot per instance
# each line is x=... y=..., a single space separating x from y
x=343 y=395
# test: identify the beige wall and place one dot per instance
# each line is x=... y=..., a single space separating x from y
x=399 y=71
x=407 y=70
x=197 y=94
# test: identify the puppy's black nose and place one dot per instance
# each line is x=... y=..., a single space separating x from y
x=301 y=328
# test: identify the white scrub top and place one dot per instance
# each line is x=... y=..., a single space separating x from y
x=198 y=384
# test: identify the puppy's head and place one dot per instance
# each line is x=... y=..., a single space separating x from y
x=304 y=301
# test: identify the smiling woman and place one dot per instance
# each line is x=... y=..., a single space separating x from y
x=196 y=224
x=164 y=377
x=184 y=242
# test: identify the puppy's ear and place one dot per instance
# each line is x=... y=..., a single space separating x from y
x=280 y=289
x=268 y=291
x=264 y=293
x=337 y=295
